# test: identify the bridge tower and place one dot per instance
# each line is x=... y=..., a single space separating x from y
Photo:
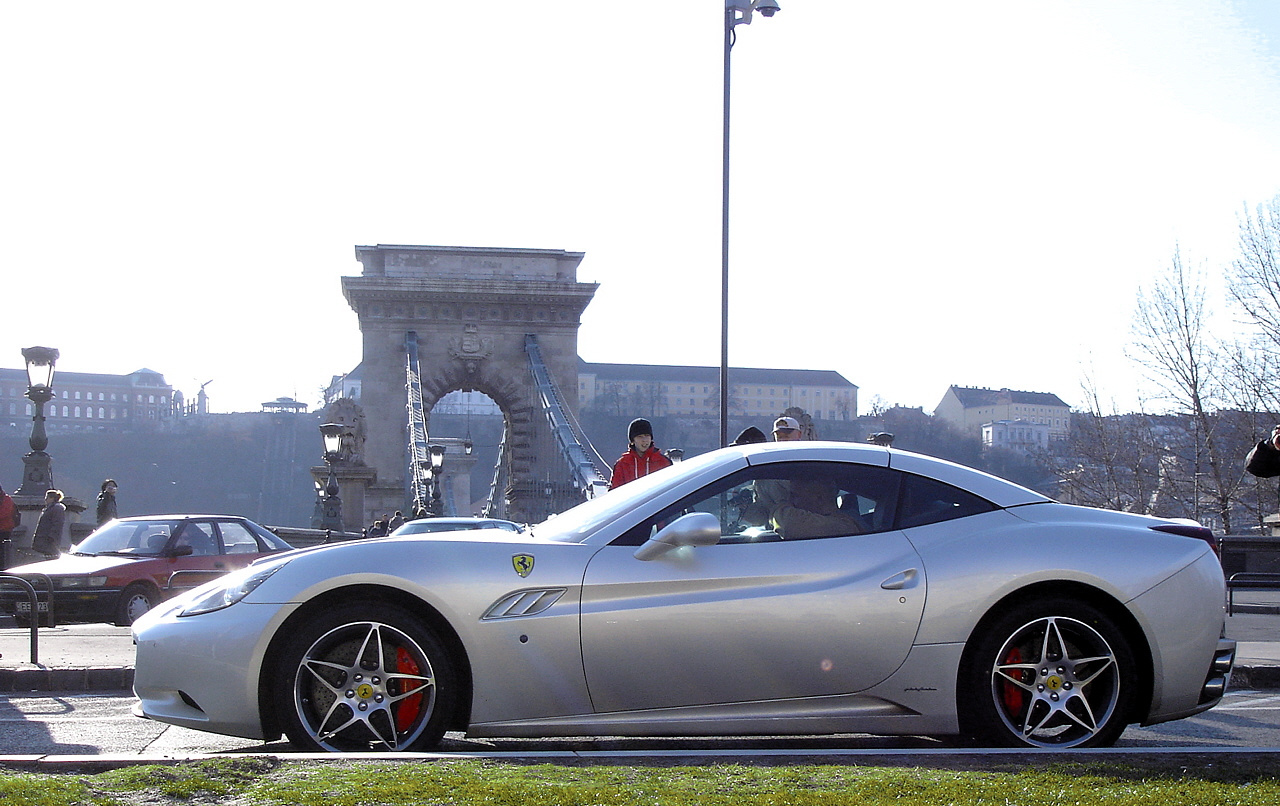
x=471 y=309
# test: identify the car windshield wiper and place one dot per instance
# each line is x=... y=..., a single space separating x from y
x=118 y=554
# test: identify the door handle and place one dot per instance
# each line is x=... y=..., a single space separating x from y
x=897 y=582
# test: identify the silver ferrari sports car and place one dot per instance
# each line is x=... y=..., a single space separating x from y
x=781 y=589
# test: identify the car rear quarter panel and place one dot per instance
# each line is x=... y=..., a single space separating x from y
x=1185 y=624
x=974 y=563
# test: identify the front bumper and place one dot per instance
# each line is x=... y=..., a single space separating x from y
x=202 y=672
x=96 y=604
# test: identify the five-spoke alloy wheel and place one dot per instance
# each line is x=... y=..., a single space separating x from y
x=1055 y=673
x=369 y=678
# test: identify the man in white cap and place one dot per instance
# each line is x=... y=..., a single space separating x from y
x=787 y=429
x=770 y=494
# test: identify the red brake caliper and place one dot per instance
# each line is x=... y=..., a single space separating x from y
x=410 y=707
x=1014 y=698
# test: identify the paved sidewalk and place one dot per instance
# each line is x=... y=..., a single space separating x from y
x=99 y=657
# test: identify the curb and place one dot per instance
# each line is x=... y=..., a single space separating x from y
x=1258 y=677
x=39 y=678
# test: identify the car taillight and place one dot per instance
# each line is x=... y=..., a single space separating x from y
x=1192 y=530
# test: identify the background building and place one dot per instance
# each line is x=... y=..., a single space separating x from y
x=970 y=409
x=88 y=401
x=657 y=390
x=1016 y=435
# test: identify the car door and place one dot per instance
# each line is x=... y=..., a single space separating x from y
x=205 y=562
x=823 y=602
x=239 y=545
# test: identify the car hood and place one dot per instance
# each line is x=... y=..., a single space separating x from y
x=460 y=536
x=73 y=564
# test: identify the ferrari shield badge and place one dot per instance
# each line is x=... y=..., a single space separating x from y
x=523 y=563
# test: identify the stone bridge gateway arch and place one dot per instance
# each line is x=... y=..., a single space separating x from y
x=471 y=309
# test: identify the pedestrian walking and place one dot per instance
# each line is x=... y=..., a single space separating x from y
x=107 y=502
x=47 y=539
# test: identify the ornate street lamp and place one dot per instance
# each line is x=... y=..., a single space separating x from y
x=736 y=12
x=332 y=434
x=436 y=452
x=317 y=512
x=38 y=473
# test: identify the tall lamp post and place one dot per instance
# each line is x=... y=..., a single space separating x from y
x=436 y=507
x=37 y=476
x=736 y=12
x=332 y=506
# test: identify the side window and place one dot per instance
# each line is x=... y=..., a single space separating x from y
x=788 y=501
x=199 y=536
x=236 y=539
x=927 y=501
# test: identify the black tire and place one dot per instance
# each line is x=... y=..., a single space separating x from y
x=135 y=600
x=1056 y=673
x=364 y=677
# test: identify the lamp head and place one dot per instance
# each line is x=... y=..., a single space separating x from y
x=768 y=7
x=332 y=435
x=40 y=361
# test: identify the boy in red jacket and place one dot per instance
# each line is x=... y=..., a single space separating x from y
x=641 y=459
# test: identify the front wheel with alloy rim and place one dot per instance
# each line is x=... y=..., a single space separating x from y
x=1053 y=673
x=134 y=601
x=366 y=677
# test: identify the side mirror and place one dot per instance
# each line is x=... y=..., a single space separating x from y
x=694 y=529
x=180 y=551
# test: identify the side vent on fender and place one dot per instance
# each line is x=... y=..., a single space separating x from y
x=523 y=603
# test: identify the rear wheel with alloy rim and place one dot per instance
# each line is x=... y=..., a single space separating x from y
x=370 y=677
x=1057 y=673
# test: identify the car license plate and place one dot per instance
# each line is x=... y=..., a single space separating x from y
x=25 y=607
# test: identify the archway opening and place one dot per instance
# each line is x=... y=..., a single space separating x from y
x=469 y=417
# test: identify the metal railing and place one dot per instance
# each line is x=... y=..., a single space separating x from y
x=25 y=584
x=419 y=462
x=1245 y=580
x=584 y=472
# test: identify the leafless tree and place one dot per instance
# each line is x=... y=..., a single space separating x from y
x=1110 y=460
x=1254 y=278
x=1172 y=342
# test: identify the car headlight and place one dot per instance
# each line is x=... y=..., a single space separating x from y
x=229 y=590
x=79 y=582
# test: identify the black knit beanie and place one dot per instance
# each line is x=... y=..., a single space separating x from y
x=638 y=426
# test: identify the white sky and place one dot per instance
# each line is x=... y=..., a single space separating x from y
x=924 y=193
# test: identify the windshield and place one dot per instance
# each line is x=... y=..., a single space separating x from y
x=142 y=538
x=577 y=524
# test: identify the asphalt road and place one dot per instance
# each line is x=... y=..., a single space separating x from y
x=103 y=725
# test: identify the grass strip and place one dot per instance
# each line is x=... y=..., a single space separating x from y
x=252 y=781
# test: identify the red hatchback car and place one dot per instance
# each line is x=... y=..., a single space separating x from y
x=129 y=565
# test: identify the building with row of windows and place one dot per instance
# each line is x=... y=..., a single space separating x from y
x=655 y=390
x=1006 y=418
x=673 y=391
x=89 y=401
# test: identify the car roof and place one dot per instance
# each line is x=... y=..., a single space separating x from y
x=459 y=521
x=180 y=517
x=1001 y=492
